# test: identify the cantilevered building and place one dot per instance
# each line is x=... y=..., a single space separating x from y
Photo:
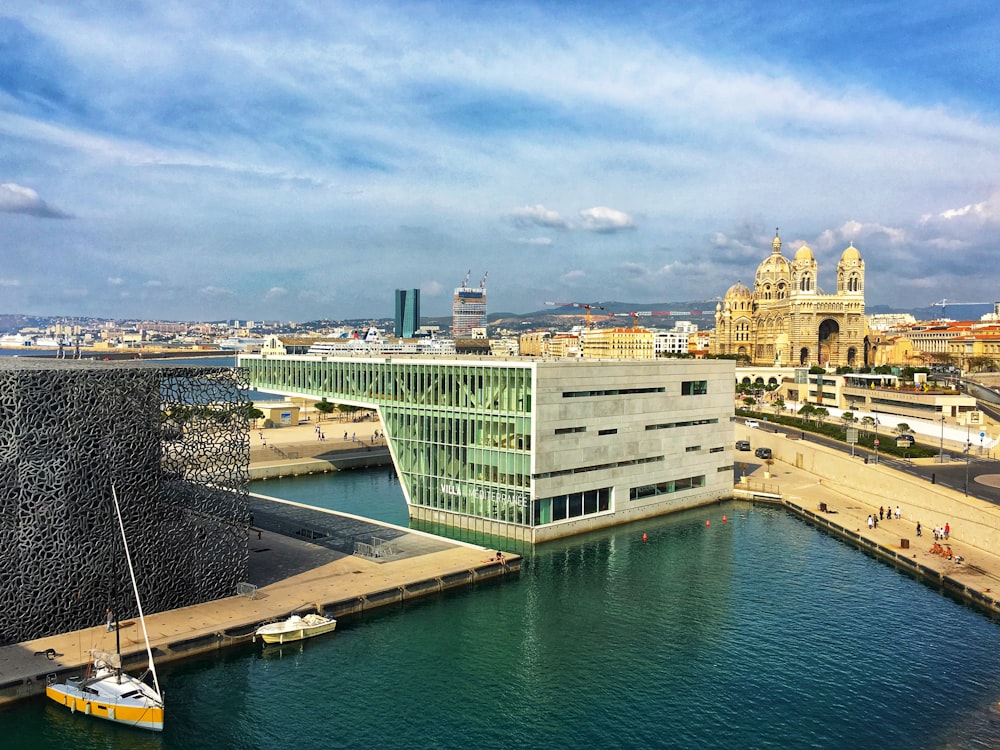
x=535 y=450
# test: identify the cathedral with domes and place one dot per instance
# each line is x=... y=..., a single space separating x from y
x=786 y=320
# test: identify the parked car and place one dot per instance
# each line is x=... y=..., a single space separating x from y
x=762 y=453
x=752 y=423
x=742 y=445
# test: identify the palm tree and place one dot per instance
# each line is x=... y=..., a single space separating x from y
x=778 y=405
x=821 y=413
x=867 y=422
x=902 y=428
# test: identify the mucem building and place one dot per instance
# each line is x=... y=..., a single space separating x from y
x=171 y=441
x=532 y=449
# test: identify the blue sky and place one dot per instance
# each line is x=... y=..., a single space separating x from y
x=294 y=161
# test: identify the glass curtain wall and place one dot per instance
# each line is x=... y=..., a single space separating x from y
x=461 y=433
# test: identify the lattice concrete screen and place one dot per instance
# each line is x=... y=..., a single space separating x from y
x=174 y=443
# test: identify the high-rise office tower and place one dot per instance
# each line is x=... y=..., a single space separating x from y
x=468 y=310
x=407 y=312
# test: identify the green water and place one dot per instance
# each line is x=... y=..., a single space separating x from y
x=757 y=632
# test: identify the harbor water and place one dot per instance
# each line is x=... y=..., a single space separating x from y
x=757 y=631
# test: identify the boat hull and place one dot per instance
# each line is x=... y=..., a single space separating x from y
x=296 y=629
x=121 y=711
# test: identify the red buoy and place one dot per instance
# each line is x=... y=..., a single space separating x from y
x=644 y=537
x=723 y=519
x=708 y=523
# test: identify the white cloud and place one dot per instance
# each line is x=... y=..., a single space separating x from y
x=9 y=283
x=115 y=280
x=539 y=241
x=984 y=211
x=537 y=215
x=274 y=293
x=17 y=199
x=431 y=289
x=606 y=220
x=216 y=291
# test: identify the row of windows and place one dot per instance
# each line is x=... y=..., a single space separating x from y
x=613 y=392
x=572 y=505
x=666 y=488
x=671 y=425
x=614 y=431
x=597 y=467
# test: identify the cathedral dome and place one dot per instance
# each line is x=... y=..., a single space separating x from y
x=804 y=253
x=773 y=267
x=851 y=253
x=739 y=290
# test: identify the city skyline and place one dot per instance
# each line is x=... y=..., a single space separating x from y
x=301 y=162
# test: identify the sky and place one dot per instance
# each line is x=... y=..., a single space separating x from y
x=295 y=161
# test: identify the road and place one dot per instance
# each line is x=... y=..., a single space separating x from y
x=977 y=477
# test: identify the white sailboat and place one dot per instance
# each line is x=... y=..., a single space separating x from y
x=108 y=692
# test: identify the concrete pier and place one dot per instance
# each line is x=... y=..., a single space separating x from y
x=287 y=575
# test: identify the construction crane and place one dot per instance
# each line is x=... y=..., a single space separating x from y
x=943 y=304
x=585 y=305
x=669 y=313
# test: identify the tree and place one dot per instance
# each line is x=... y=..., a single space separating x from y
x=902 y=428
x=867 y=422
x=981 y=364
x=807 y=411
x=821 y=413
x=848 y=418
x=778 y=405
x=325 y=407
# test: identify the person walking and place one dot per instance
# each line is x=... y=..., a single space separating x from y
x=918 y=528
x=947 y=530
x=871 y=524
x=897 y=513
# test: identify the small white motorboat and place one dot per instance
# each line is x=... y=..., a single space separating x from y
x=295 y=628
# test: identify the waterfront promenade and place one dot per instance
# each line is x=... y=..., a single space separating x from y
x=839 y=494
x=303 y=449
x=287 y=574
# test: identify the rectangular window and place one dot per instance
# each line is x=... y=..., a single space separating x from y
x=607 y=432
x=613 y=392
x=694 y=387
x=718 y=449
x=692 y=449
x=569 y=430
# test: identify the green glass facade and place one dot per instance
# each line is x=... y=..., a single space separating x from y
x=460 y=434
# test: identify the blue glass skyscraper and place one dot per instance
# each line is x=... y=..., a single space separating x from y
x=407 y=312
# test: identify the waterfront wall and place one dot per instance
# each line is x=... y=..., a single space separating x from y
x=974 y=522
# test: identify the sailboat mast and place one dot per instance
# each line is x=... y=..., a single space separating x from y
x=135 y=589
